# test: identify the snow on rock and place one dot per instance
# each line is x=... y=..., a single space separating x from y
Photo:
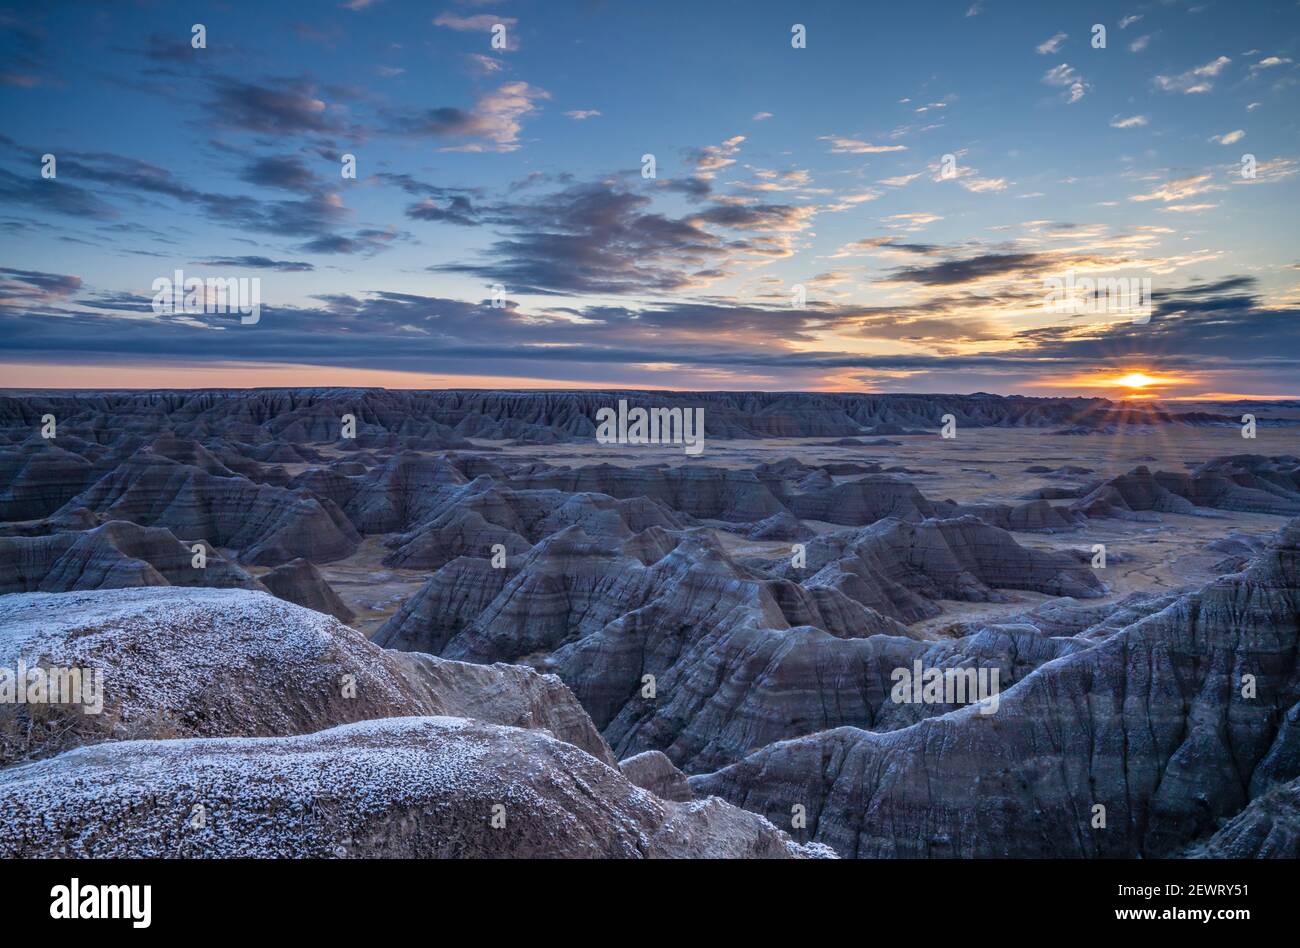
x=426 y=787
x=181 y=662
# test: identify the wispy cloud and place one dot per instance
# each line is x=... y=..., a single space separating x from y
x=478 y=23
x=1193 y=81
x=855 y=146
x=1068 y=77
x=1179 y=189
x=1051 y=44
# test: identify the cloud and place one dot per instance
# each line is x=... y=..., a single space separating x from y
x=973 y=269
x=878 y=244
x=1067 y=76
x=579 y=115
x=259 y=263
x=21 y=287
x=1218 y=326
x=795 y=179
x=282 y=107
x=593 y=238
x=59 y=197
x=367 y=242
x=493 y=124
x=484 y=65
x=912 y=220
x=902 y=180
x=1126 y=22
x=1229 y=138
x=762 y=116
x=1051 y=44
x=604 y=237
x=1271 y=170
x=313 y=215
x=1269 y=62
x=847 y=202
x=981 y=185
x=1179 y=189
x=1133 y=121
x=854 y=146
x=478 y=23
x=711 y=159
x=1193 y=81
x=453 y=210
x=286 y=172
x=1139 y=44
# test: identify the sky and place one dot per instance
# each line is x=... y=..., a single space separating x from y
x=839 y=196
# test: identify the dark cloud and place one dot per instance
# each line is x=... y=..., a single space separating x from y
x=410 y=332
x=592 y=238
x=697 y=189
x=287 y=172
x=366 y=242
x=595 y=238
x=446 y=120
x=950 y=272
x=279 y=107
x=753 y=216
x=440 y=204
x=316 y=215
x=53 y=195
x=259 y=263
x=26 y=285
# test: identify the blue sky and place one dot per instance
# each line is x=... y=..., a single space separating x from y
x=776 y=167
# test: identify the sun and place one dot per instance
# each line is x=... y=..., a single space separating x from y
x=1137 y=380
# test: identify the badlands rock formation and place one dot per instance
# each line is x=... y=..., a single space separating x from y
x=444 y=419
x=1155 y=723
x=610 y=644
x=1247 y=483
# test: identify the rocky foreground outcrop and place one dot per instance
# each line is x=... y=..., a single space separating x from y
x=232 y=662
x=425 y=788
x=499 y=762
x=1171 y=724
